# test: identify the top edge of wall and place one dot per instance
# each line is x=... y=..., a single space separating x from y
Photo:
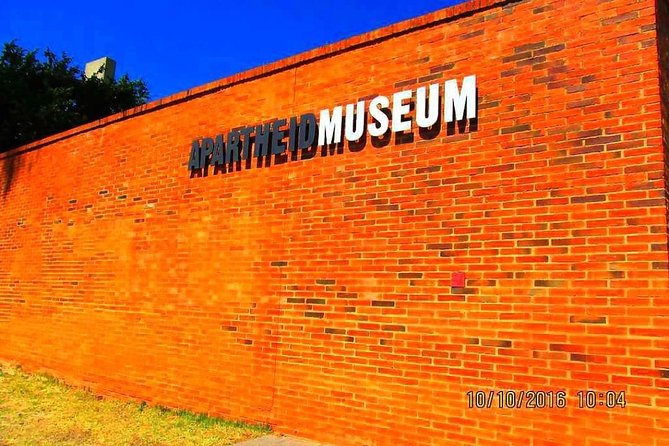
x=407 y=26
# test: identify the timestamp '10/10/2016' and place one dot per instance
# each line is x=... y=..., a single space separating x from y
x=529 y=399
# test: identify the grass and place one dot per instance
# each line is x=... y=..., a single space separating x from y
x=37 y=410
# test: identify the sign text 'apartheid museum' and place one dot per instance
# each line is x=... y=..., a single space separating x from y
x=303 y=133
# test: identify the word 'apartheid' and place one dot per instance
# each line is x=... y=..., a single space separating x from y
x=292 y=134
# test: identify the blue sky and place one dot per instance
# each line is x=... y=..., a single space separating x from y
x=176 y=45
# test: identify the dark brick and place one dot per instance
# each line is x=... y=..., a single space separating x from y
x=325 y=281
x=410 y=275
x=580 y=104
x=504 y=343
x=460 y=290
x=347 y=295
x=647 y=203
x=439 y=246
x=550 y=283
x=430 y=77
x=314 y=314
x=541 y=9
x=587 y=320
x=279 y=263
x=517 y=57
x=588 y=199
x=388 y=207
x=565 y=160
x=440 y=68
x=405 y=83
x=534 y=242
x=511 y=73
x=394 y=328
x=491 y=104
x=602 y=140
x=515 y=129
x=429 y=168
x=529 y=47
x=472 y=34
x=620 y=18
x=550 y=49
x=369 y=97
x=383 y=303
x=533 y=61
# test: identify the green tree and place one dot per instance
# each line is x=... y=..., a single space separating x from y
x=43 y=96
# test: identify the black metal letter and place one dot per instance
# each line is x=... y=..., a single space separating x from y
x=246 y=141
x=232 y=149
x=292 y=134
x=277 y=145
x=194 y=161
x=307 y=131
x=207 y=150
x=219 y=152
x=262 y=140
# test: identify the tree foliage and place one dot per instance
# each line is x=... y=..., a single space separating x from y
x=43 y=96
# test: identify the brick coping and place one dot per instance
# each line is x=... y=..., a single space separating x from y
x=407 y=26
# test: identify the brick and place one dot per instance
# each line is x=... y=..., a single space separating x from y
x=515 y=128
x=394 y=328
x=383 y=303
x=442 y=68
x=325 y=281
x=550 y=283
x=588 y=199
x=505 y=343
x=410 y=275
x=587 y=320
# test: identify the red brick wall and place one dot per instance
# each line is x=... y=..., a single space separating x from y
x=663 y=51
x=315 y=294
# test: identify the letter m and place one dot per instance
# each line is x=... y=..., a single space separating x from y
x=329 y=128
x=457 y=100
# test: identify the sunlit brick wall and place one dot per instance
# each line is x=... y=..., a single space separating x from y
x=315 y=294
